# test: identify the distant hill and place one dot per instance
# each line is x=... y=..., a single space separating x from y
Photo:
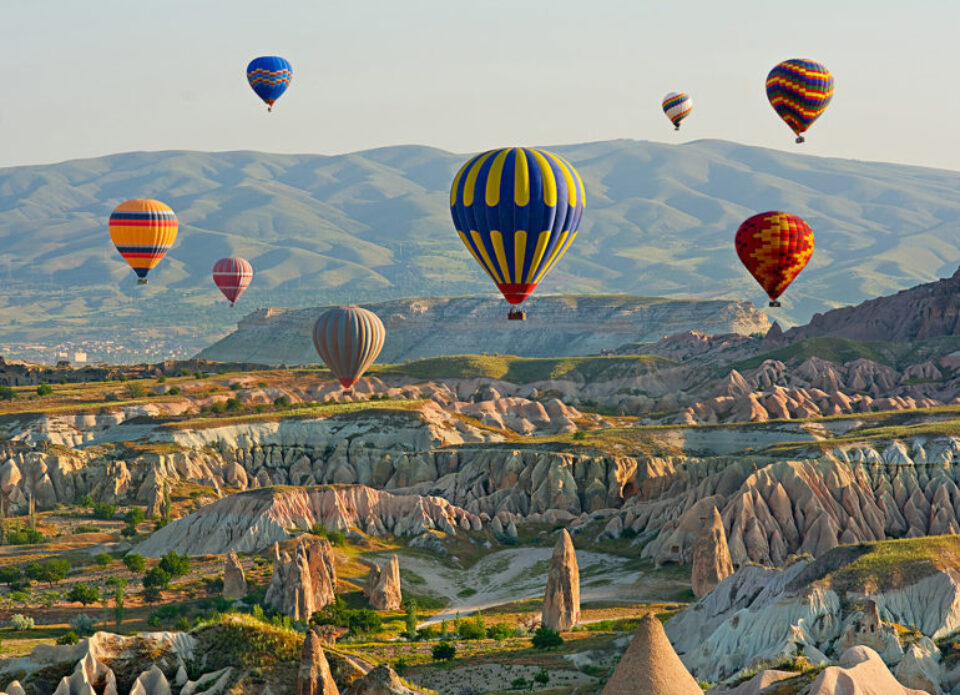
x=433 y=326
x=375 y=226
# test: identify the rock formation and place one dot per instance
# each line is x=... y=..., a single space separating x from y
x=649 y=666
x=382 y=587
x=381 y=680
x=711 y=556
x=234 y=583
x=756 y=685
x=920 y=667
x=867 y=629
x=151 y=682
x=304 y=582
x=860 y=671
x=561 y=602
x=313 y=676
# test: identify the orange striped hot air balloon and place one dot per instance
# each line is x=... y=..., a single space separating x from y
x=775 y=247
x=143 y=231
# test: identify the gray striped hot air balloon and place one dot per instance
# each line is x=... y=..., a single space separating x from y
x=348 y=340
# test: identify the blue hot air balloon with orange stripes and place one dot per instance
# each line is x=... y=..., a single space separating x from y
x=517 y=210
x=143 y=231
x=799 y=91
x=269 y=76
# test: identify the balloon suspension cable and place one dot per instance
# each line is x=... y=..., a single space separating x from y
x=141 y=281
x=774 y=302
x=800 y=139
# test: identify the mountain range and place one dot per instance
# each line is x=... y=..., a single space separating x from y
x=375 y=225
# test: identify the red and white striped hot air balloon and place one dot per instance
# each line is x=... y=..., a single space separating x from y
x=232 y=275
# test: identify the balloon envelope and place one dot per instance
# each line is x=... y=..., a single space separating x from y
x=677 y=106
x=775 y=247
x=232 y=275
x=799 y=91
x=517 y=210
x=348 y=340
x=143 y=231
x=269 y=76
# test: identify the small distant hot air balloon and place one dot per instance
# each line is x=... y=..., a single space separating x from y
x=348 y=340
x=517 y=210
x=677 y=106
x=775 y=247
x=269 y=76
x=799 y=91
x=232 y=275
x=143 y=231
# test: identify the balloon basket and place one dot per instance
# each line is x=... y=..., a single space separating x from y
x=676 y=127
x=517 y=315
x=800 y=139
x=774 y=303
x=232 y=305
x=141 y=281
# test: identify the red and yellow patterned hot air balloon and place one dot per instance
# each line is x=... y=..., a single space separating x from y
x=775 y=247
x=232 y=276
x=143 y=231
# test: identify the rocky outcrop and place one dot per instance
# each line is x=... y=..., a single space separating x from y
x=649 y=666
x=382 y=680
x=234 y=583
x=151 y=682
x=756 y=685
x=254 y=520
x=865 y=628
x=711 y=556
x=303 y=583
x=382 y=587
x=313 y=676
x=860 y=671
x=920 y=667
x=561 y=602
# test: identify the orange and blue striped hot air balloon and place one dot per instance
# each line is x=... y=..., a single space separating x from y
x=775 y=247
x=143 y=231
x=677 y=106
x=517 y=210
x=269 y=77
x=799 y=91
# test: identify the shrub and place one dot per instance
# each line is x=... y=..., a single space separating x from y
x=427 y=633
x=103 y=559
x=83 y=624
x=44 y=389
x=24 y=536
x=198 y=375
x=470 y=630
x=20 y=597
x=281 y=402
x=545 y=638
x=83 y=594
x=319 y=529
x=134 y=516
x=20 y=622
x=157 y=578
x=183 y=624
x=542 y=677
x=87 y=528
x=445 y=651
x=161 y=379
x=7 y=393
x=499 y=631
x=233 y=404
x=579 y=436
x=68 y=637
x=135 y=562
x=175 y=390
x=104 y=511
x=128 y=531
x=86 y=501
x=134 y=389
x=9 y=574
x=175 y=565
x=337 y=538
x=518 y=683
x=54 y=571
x=235 y=386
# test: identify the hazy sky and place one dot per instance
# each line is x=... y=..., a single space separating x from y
x=102 y=76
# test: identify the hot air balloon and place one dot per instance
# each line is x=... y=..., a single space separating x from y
x=232 y=275
x=269 y=76
x=143 y=231
x=775 y=247
x=799 y=91
x=348 y=340
x=517 y=211
x=677 y=106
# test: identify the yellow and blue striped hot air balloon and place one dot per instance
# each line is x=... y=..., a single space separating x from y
x=517 y=211
x=143 y=231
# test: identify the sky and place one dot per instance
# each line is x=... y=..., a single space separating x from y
x=91 y=78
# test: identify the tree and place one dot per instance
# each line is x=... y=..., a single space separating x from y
x=9 y=574
x=499 y=631
x=157 y=578
x=119 y=584
x=518 y=683
x=135 y=389
x=411 y=619
x=83 y=593
x=545 y=638
x=32 y=513
x=135 y=562
x=7 y=393
x=444 y=651
x=44 y=389
x=470 y=630
x=104 y=511
x=542 y=677
x=166 y=505
x=175 y=565
x=134 y=517
x=86 y=501
x=54 y=571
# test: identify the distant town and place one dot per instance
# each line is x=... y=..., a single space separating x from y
x=129 y=350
